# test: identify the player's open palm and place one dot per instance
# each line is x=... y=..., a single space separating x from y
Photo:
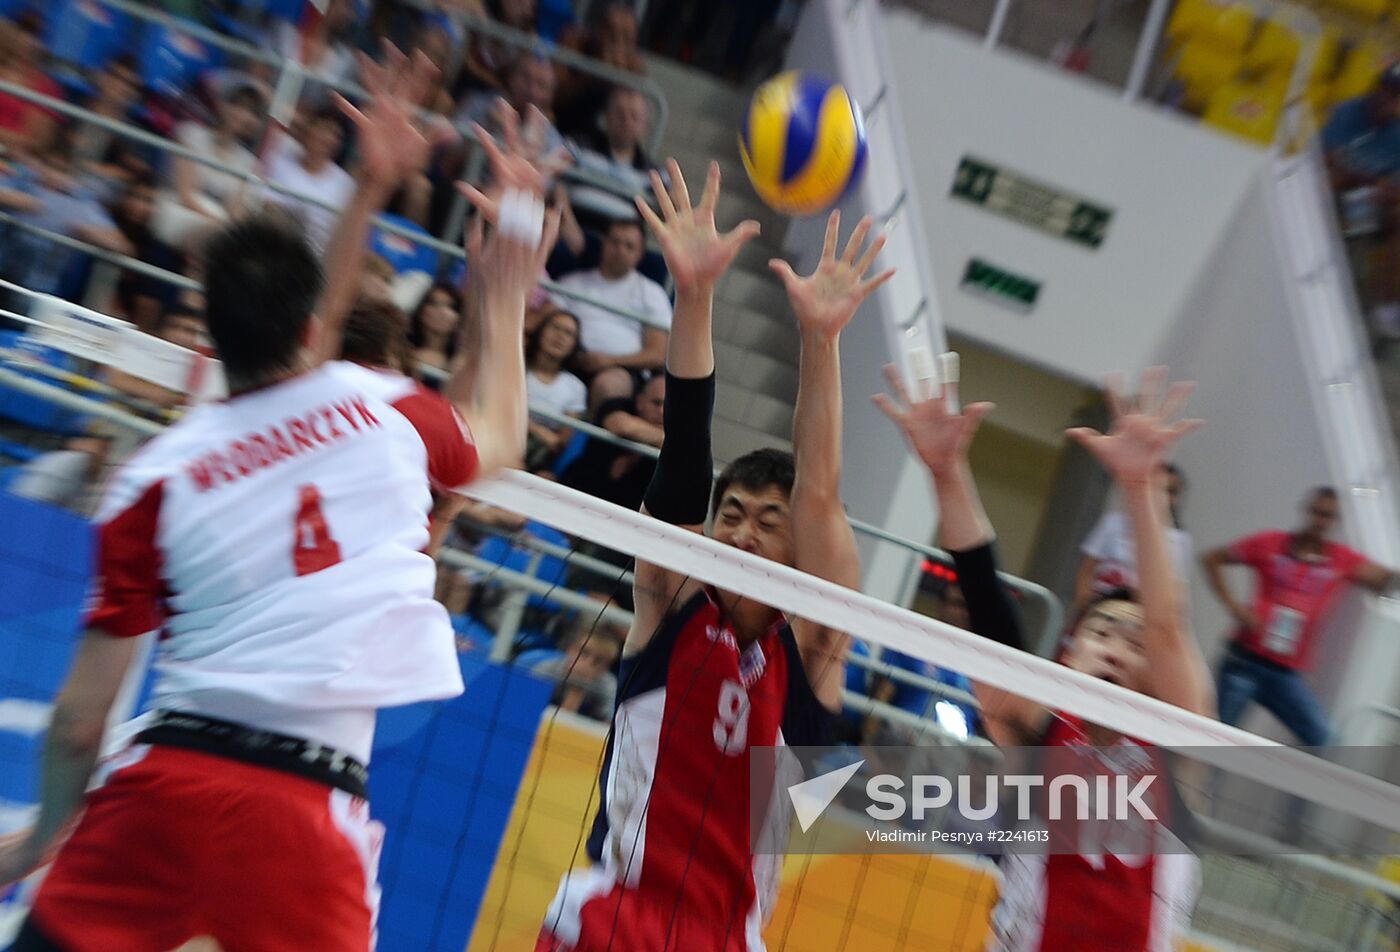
x=1145 y=428
x=938 y=434
x=390 y=142
x=825 y=301
x=697 y=255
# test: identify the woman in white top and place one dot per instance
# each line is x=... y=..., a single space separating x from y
x=549 y=349
x=1109 y=561
x=199 y=196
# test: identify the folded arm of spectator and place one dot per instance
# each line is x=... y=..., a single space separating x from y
x=632 y=427
x=651 y=356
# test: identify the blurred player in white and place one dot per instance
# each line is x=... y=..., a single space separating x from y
x=277 y=539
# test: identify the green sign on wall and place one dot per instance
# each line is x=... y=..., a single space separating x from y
x=1031 y=203
x=1004 y=287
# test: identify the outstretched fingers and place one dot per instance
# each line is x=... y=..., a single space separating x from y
x=895 y=380
x=680 y=195
x=1177 y=396
x=868 y=288
x=833 y=233
x=891 y=409
x=663 y=197
x=742 y=233
x=871 y=253
x=857 y=241
x=710 y=197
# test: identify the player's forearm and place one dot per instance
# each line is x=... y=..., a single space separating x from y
x=1156 y=575
x=816 y=423
x=501 y=403
x=962 y=522
x=345 y=258
x=690 y=352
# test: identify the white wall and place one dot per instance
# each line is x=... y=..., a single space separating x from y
x=1174 y=188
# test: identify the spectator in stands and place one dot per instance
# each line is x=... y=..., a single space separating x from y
x=550 y=348
x=58 y=200
x=609 y=472
x=312 y=171
x=613 y=40
x=377 y=281
x=956 y=718
x=139 y=298
x=612 y=343
x=1362 y=143
x=24 y=126
x=199 y=197
x=435 y=327
x=1109 y=553
x=65 y=477
x=625 y=123
x=374 y=337
x=476 y=519
x=179 y=326
x=615 y=151
x=529 y=81
x=584 y=682
x=1297 y=577
x=488 y=60
x=326 y=53
x=116 y=96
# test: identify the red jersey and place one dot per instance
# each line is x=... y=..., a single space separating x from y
x=672 y=843
x=1100 y=900
x=1291 y=595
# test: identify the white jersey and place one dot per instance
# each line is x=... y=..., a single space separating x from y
x=277 y=539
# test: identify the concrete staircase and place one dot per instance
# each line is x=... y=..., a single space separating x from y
x=756 y=344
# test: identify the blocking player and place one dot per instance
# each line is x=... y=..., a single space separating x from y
x=1098 y=901
x=706 y=675
x=277 y=541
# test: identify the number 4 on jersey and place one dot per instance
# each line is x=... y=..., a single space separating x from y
x=313 y=548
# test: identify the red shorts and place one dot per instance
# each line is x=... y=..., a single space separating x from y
x=178 y=844
x=620 y=920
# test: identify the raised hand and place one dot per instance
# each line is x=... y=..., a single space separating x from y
x=20 y=855
x=936 y=432
x=826 y=300
x=696 y=253
x=391 y=143
x=522 y=163
x=510 y=261
x=1143 y=432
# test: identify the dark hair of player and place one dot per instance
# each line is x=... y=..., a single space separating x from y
x=262 y=281
x=757 y=470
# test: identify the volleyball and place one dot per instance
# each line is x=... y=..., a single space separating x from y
x=802 y=143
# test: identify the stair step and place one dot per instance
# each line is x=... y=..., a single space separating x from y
x=759 y=332
x=756 y=291
x=689 y=91
x=755 y=371
x=732 y=440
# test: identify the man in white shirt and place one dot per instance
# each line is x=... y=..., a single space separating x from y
x=313 y=172
x=614 y=345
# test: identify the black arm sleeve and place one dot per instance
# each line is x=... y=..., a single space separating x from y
x=992 y=612
x=680 y=488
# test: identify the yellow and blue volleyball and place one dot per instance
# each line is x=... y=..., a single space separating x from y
x=803 y=143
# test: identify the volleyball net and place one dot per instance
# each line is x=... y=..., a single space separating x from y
x=490 y=799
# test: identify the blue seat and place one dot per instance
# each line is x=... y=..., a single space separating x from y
x=572 y=450
x=85 y=33
x=403 y=254
x=473 y=631
x=171 y=60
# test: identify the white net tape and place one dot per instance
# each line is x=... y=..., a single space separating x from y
x=1037 y=679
